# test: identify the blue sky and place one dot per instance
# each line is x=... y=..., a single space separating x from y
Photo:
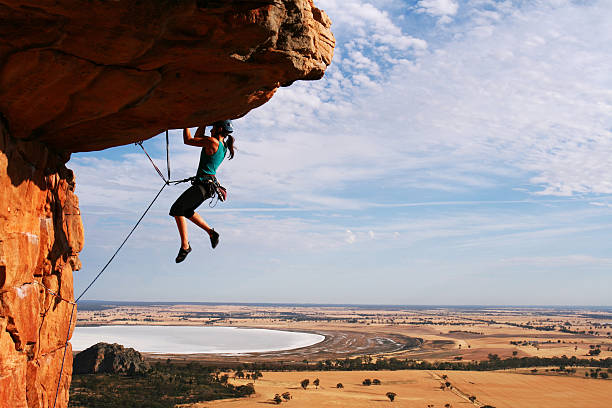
x=456 y=152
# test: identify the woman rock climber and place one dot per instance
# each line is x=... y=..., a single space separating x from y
x=214 y=150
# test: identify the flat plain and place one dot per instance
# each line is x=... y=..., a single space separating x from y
x=428 y=334
x=431 y=334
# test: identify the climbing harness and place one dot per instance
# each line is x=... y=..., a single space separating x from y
x=211 y=184
x=167 y=181
x=219 y=191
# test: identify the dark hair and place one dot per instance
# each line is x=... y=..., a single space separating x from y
x=229 y=143
x=229 y=139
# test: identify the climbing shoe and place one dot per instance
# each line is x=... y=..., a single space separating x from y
x=214 y=238
x=182 y=254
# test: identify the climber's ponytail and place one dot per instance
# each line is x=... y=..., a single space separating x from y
x=229 y=143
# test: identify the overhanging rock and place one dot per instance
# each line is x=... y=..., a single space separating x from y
x=87 y=76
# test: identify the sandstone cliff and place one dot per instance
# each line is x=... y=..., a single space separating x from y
x=79 y=76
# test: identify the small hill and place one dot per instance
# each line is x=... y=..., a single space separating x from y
x=111 y=359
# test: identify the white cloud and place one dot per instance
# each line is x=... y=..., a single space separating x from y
x=350 y=237
x=439 y=8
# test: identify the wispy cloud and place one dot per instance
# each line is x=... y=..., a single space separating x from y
x=444 y=9
x=480 y=127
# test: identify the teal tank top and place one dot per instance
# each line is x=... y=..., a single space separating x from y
x=209 y=164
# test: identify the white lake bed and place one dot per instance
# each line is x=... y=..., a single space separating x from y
x=193 y=339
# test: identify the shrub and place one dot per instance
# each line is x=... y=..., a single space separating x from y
x=376 y=381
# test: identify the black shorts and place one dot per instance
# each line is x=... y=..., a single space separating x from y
x=191 y=199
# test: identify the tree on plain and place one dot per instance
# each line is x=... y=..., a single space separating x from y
x=316 y=383
x=286 y=396
x=339 y=385
x=305 y=383
x=367 y=381
x=391 y=396
x=376 y=381
x=277 y=399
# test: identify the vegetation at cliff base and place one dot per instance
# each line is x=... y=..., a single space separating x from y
x=164 y=386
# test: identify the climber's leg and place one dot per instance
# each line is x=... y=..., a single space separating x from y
x=182 y=228
x=184 y=207
x=199 y=221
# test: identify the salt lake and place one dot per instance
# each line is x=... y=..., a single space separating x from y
x=193 y=339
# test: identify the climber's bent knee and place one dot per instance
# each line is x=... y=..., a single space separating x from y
x=185 y=205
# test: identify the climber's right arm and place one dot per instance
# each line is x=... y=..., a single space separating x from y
x=200 y=139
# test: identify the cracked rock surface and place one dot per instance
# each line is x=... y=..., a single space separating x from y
x=87 y=76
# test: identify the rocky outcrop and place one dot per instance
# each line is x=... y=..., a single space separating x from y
x=86 y=76
x=40 y=236
x=109 y=358
x=79 y=76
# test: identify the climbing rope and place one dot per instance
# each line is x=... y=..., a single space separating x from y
x=91 y=284
x=167 y=181
x=55 y=294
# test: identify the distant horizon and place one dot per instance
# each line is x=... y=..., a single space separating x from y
x=357 y=305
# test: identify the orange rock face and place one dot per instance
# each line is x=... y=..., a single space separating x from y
x=82 y=77
x=79 y=76
x=40 y=236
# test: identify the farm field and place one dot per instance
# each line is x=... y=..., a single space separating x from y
x=416 y=389
x=432 y=334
